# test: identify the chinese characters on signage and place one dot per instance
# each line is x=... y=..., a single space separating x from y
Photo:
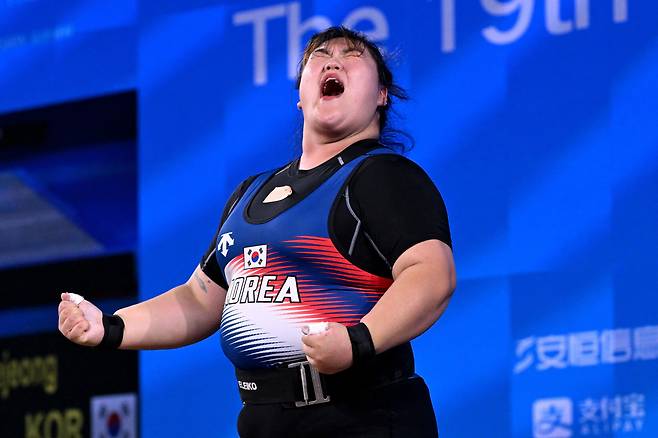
x=588 y=348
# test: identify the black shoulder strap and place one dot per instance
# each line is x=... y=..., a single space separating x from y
x=237 y=195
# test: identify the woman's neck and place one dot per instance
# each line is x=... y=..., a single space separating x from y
x=316 y=149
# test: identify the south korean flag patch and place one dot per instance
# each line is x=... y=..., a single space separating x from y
x=255 y=256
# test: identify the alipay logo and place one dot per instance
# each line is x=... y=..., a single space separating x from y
x=552 y=418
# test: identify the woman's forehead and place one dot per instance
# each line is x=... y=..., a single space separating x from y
x=340 y=43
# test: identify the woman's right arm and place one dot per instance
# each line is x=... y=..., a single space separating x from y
x=183 y=315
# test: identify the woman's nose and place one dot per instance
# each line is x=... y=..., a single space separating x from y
x=332 y=65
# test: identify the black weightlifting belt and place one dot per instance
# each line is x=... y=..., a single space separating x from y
x=299 y=384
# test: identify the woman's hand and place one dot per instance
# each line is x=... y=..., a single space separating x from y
x=329 y=351
x=82 y=324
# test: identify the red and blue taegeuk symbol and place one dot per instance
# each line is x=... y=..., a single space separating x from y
x=113 y=424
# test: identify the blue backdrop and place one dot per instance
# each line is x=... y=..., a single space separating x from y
x=537 y=120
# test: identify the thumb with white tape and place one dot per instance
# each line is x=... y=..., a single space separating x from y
x=79 y=320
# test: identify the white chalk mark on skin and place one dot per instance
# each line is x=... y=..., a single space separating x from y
x=317 y=327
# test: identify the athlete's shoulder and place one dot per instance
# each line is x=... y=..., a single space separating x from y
x=389 y=167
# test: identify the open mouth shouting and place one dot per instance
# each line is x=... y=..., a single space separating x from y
x=331 y=87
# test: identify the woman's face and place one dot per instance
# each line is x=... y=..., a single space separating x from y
x=339 y=89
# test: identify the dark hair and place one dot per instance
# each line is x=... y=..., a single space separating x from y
x=388 y=136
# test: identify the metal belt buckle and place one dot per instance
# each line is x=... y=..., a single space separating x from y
x=317 y=385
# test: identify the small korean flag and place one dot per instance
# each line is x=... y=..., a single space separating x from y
x=114 y=415
x=255 y=256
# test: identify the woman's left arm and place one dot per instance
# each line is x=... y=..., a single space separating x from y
x=424 y=280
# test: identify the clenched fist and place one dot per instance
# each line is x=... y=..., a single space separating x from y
x=83 y=323
x=329 y=351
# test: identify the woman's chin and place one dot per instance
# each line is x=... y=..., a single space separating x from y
x=330 y=122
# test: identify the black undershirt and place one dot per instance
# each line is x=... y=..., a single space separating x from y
x=397 y=202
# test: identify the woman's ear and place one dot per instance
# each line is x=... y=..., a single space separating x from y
x=383 y=97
